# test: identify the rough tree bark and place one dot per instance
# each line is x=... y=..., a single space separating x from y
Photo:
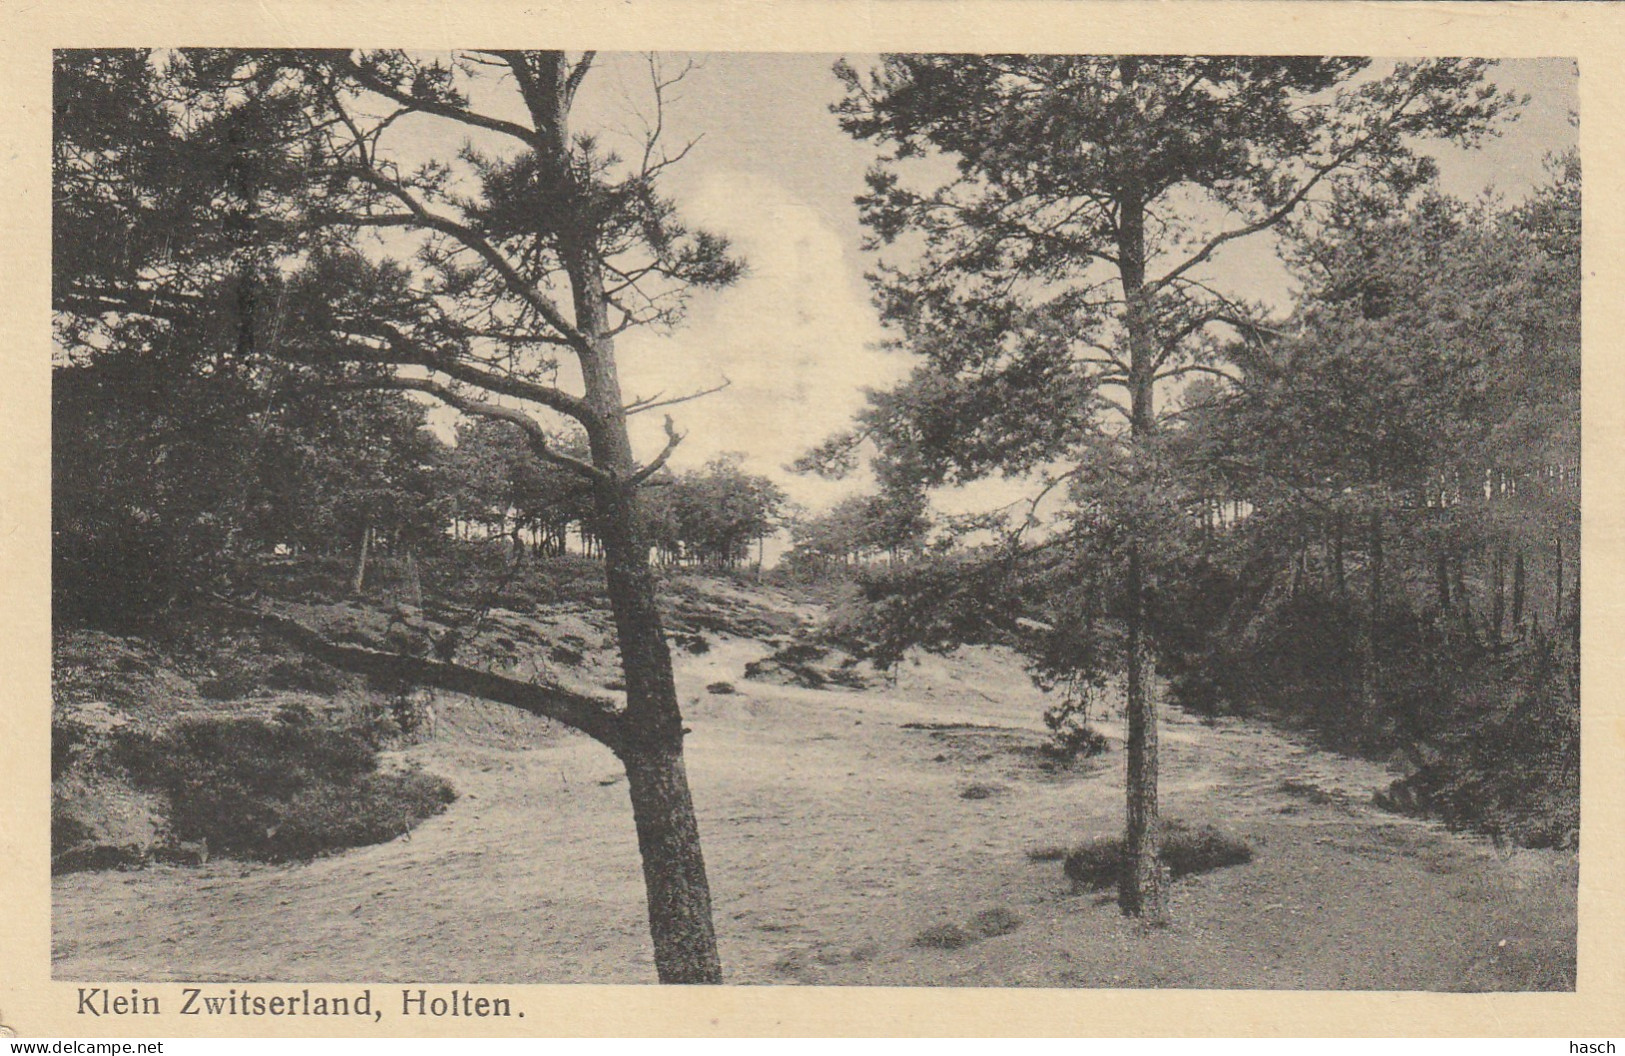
x=1499 y=599
x=1142 y=890
x=679 y=896
x=1517 y=593
x=361 y=561
x=1370 y=661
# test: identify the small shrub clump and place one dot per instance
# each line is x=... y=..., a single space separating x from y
x=563 y=654
x=987 y=924
x=944 y=937
x=1509 y=766
x=991 y=923
x=693 y=644
x=290 y=789
x=1184 y=851
x=1071 y=737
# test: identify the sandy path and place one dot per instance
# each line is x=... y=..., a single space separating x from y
x=833 y=836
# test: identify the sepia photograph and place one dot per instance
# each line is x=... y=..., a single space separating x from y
x=888 y=519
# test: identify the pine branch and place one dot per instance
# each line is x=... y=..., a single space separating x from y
x=372 y=82
x=594 y=716
x=535 y=435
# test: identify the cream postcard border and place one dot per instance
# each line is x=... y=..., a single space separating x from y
x=34 y=1005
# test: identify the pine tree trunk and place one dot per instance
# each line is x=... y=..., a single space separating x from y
x=1464 y=601
x=679 y=898
x=1370 y=662
x=1575 y=615
x=1441 y=581
x=413 y=580
x=1557 y=595
x=673 y=870
x=1499 y=602
x=1142 y=890
x=1341 y=581
x=1517 y=594
x=361 y=560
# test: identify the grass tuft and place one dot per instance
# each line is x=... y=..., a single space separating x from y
x=1185 y=851
x=991 y=923
x=988 y=924
x=944 y=937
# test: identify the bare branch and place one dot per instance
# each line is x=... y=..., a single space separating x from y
x=1318 y=174
x=595 y=716
x=1262 y=224
x=159 y=304
x=639 y=406
x=420 y=216
x=535 y=435
x=1200 y=368
x=673 y=438
x=502 y=384
x=372 y=82
x=577 y=75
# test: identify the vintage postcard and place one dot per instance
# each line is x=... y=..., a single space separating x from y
x=787 y=518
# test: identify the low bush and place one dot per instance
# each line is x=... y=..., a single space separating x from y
x=1187 y=852
x=375 y=808
x=1510 y=765
x=277 y=790
x=563 y=654
x=68 y=739
x=1184 y=851
x=693 y=644
x=233 y=685
x=1489 y=720
x=99 y=821
x=944 y=937
x=1071 y=741
x=303 y=674
x=991 y=923
x=987 y=924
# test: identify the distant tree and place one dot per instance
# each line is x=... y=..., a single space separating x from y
x=712 y=516
x=858 y=528
x=490 y=479
x=1056 y=263
x=1427 y=399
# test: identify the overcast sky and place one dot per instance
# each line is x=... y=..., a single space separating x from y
x=796 y=336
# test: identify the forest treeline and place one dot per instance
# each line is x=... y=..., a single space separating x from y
x=160 y=497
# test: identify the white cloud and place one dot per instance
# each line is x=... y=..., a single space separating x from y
x=795 y=337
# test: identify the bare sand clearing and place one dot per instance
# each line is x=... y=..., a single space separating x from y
x=837 y=827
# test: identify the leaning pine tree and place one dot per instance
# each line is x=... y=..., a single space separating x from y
x=554 y=247
x=533 y=249
x=1060 y=267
